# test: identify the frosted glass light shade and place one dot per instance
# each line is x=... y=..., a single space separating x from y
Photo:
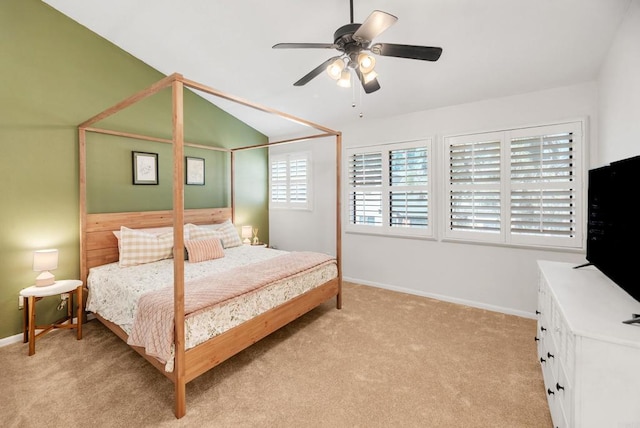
x=366 y=62
x=335 y=68
x=345 y=79
x=43 y=262
x=368 y=77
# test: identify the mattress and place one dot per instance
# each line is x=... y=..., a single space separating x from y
x=114 y=291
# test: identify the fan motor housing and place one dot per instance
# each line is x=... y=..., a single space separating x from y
x=343 y=38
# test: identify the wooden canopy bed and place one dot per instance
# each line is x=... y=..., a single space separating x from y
x=99 y=245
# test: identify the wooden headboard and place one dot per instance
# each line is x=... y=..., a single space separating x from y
x=101 y=246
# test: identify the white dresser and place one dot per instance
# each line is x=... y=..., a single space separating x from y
x=590 y=360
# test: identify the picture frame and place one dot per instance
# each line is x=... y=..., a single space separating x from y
x=145 y=167
x=194 y=168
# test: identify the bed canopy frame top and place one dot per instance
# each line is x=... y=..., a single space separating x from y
x=178 y=215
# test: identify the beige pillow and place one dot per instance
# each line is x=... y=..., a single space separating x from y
x=137 y=247
x=204 y=249
x=230 y=236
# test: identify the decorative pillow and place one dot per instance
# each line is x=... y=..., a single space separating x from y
x=230 y=236
x=226 y=232
x=151 y=230
x=137 y=247
x=204 y=249
x=197 y=232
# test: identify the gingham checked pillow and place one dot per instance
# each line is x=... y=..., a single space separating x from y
x=138 y=247
x=204 y=249
x=226 y=232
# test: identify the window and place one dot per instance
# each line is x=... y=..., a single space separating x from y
x=389 y=189
x=290 y=181
x=521 y=186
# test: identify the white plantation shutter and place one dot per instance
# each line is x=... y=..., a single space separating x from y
x=365 y=182
x=298 y=180
x=521 y=186
x=474 y=188
x=279 y=181
x=290 y=181
x=408 y=197
x=388 y=189
x=544 y=185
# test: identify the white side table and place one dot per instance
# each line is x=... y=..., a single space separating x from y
x=34 y=293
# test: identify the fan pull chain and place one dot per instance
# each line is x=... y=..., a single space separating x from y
x=353 y=91
x=360 y=96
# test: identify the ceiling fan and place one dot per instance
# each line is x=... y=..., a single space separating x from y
x=353 y=41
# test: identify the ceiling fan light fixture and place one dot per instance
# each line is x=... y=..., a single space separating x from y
x=368 y=77
x=366 y=62
x=335 y=69
x=345 y=79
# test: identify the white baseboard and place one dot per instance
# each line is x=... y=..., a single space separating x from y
x=11 y=340
x=18 y=337
x=450 y=299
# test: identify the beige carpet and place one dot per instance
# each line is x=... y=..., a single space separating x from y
x=385 y=360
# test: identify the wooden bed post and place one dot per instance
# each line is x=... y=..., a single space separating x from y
x=339 y=217
x=178 y=247
x=233 y=187
x=82 y=179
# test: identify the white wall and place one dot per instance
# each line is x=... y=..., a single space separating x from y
x=494 y=277
x=619 y=92
x=315 y=229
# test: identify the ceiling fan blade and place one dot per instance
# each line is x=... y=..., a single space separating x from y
x=374 y=25
x=304 y=46
x=426 y=53
x=313 y=73
x=370 y=86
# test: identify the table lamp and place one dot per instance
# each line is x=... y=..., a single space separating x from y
x=43 y=262
x=246 y=234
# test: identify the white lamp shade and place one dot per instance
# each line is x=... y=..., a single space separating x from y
x=45 y=260
x=335 y=68
x=366 y=62
x=368 y=77
x=246 y=231
x=246 y=234
x=345 y=79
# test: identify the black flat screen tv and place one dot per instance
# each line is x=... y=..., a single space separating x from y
x=613 y=224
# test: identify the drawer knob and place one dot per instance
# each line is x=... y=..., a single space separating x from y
x=542 y=360
x=542 y=328
x=536 y=338
x=549 y=355
x=538 y=312
x=559 y=387
x=550 y=392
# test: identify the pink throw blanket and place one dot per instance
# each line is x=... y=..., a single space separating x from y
x=153 y=325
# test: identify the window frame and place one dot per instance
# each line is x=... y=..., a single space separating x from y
x=385 y=189
x=507 y=185
x=288 y=204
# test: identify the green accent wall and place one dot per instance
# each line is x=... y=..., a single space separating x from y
x=56 y=74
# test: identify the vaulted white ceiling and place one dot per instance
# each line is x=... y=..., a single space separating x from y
x=492 y=48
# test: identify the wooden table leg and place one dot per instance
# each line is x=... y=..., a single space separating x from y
x=25 y=321
x=79 y=293
x=31 y=308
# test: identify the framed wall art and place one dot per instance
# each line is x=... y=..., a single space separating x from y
x=145 y=168
x=194 y=171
